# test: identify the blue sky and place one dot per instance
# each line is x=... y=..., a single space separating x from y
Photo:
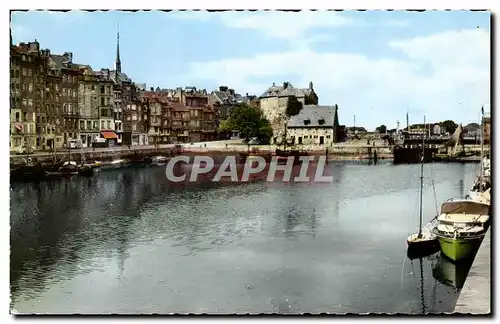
x=374 y=64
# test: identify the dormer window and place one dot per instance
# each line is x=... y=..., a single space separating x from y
x=307 y=121
x=321 y=121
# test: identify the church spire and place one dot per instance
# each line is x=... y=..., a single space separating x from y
x=118 y=63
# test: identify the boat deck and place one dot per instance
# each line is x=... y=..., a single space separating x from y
x=475 y=296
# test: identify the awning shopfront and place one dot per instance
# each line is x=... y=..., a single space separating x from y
x=109 y=135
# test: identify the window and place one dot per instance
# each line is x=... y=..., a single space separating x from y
x=109 y=124
x=69 y=108
x=74 y=79
x=89 y=124
x=82 y=124
x=64 y=92
x=327 y=136
x=64 y=108
x=102 y=124
x=17 y=73
x=102 y=89
x=64 y=79
x=17 y=116
x=30 y=102
x=92 y=87
x=24 y=71
x=102 y=101
x=74 y=93
x=30 y=87
x=29 y=72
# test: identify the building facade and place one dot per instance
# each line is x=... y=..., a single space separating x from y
x=88 y=106
x=273 y=104
x=314 y=125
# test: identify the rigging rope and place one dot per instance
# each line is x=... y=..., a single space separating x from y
x=434 y=190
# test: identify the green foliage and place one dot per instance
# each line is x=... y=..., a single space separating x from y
x=381 y=129
x=448 y=126
x=293 y=106
x=249 y=122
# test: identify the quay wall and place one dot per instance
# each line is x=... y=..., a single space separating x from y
x=102 y=155
x=475 y=296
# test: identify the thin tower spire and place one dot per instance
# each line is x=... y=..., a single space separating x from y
x=118 y=63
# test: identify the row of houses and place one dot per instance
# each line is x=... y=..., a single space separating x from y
x=55 y=100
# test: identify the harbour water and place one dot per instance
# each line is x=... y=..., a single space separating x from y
x=124 y=241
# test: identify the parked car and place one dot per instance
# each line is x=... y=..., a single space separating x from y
x=75 y=143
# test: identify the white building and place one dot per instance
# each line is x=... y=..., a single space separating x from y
x=314 y=125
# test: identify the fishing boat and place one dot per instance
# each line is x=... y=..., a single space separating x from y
x=160 y=160
x=68 y=168
x=461 y=227
x=424 y=242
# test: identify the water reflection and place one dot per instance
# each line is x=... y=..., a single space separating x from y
x=126 y=240
x=452 y=274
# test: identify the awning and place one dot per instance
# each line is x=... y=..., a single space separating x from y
x=109 y=135
x=19 y=127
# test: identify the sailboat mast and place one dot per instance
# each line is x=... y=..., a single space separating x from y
x=421 y=181
x=482 y=147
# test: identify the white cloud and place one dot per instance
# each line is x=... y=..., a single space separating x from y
x=396 y=23
x=285 y=25
x=440 y=70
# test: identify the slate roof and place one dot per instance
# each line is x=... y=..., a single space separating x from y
x=122 y=77
x=312 y=115
x=289 y=90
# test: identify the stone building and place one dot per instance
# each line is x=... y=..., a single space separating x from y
x=106 y=107
x=69 y=112
x=18 y=125
x=135 y=119
x=24 y=131
x=274 y=100
x=314 y=125
x=88 y=105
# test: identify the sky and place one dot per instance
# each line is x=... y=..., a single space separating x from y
x=375 y=65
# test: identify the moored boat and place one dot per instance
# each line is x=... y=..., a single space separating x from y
x=461 y=227
x=115 y=164
x=160 y=160
x=424 y=242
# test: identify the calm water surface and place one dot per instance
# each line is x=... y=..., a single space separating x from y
x=125 y=241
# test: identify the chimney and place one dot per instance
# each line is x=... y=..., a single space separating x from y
x=246 y=94
x=68 y=56
x=285 y=85
x=231 y=91
x=152 y=89
x=274 y=84
x=222 y=88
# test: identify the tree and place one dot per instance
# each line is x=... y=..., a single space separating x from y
x=381 y=129
x=293 y=106
x=448 y=126
x=249 y=122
